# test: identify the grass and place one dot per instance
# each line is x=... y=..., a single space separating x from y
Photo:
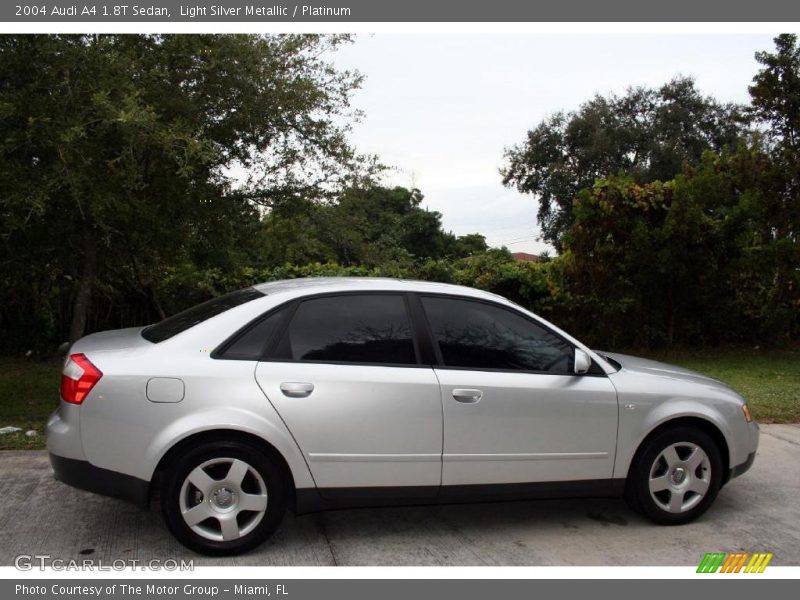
x=769 y=380
x=28 y=394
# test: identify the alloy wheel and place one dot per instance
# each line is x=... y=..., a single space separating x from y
x=680 y=477
x=223 y=499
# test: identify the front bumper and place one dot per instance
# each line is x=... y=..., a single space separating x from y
x=85 y=476
x=743 y=446
x=743 y=467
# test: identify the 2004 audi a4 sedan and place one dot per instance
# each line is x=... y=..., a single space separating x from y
x=333 y=392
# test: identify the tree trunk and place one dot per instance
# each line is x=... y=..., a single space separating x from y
x=151 y=294
x=671 y=328
x=83 y=298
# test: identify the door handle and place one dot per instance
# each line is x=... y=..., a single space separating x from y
x=296 y=390
x=467 y=396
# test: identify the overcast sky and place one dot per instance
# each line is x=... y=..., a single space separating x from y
x=441 y=108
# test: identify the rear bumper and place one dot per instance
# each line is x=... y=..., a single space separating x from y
x=85 y=476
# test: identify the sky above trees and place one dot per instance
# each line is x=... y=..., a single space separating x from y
x=441 y=109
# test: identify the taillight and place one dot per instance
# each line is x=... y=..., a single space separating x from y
x=78 y=378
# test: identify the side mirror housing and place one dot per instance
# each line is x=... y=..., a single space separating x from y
x=583 y=362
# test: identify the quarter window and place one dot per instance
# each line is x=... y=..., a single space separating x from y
x=252 y=344
x=477 y=335
x=369 y=328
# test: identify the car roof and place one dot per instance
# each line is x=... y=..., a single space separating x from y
x=316 y=285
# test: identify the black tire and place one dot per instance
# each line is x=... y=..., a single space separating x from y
x=658 y=505
x=272 y=476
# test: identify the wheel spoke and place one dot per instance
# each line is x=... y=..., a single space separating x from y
x=695 y=459
x=658 y=484
x=675 y=502
x=197 y=514
x=256 y=502
x=229 y=526
x=237 y=472
x=200 y=479
x=671 y=456
x=699 y=486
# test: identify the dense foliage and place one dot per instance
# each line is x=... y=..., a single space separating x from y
x=122 y=196
x=121 y=156
x=694 y=260
x=365 y=226
x=677 y=216
x=648 y=134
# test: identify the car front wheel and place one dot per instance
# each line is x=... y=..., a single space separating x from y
x=224 y=498
x=676 y=476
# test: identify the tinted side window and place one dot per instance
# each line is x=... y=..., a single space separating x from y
x=350 y=328
x=253 y=342
x=482 y=336
x=197 y=314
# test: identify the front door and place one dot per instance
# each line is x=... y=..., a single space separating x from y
x=346 y=380
x=514 y=411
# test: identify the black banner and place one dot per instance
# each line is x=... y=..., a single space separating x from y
x=55 y=11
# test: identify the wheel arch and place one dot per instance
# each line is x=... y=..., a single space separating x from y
x=705 y=425
x=221 y=435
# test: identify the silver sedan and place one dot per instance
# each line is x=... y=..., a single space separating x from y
x=334 y=392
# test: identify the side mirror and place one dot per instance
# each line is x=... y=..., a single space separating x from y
x=582 y=362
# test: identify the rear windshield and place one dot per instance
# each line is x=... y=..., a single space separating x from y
x=197 y=314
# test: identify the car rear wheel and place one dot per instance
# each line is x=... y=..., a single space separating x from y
x=224 y=498
x=675 y=476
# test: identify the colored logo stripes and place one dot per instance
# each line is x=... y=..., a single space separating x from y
x=735 y=562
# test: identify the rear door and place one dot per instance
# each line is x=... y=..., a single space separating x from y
x=346 y=378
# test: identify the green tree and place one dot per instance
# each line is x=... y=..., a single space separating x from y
x=470 y=245
x=775 y=94
x=683 y=261
x=365 y=225
x=775 y=91
x=646 y=133
x=121 y=155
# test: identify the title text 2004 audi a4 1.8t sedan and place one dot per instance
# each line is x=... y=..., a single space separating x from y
x=326 y=393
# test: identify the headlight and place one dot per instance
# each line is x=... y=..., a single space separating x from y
x=747 y=416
